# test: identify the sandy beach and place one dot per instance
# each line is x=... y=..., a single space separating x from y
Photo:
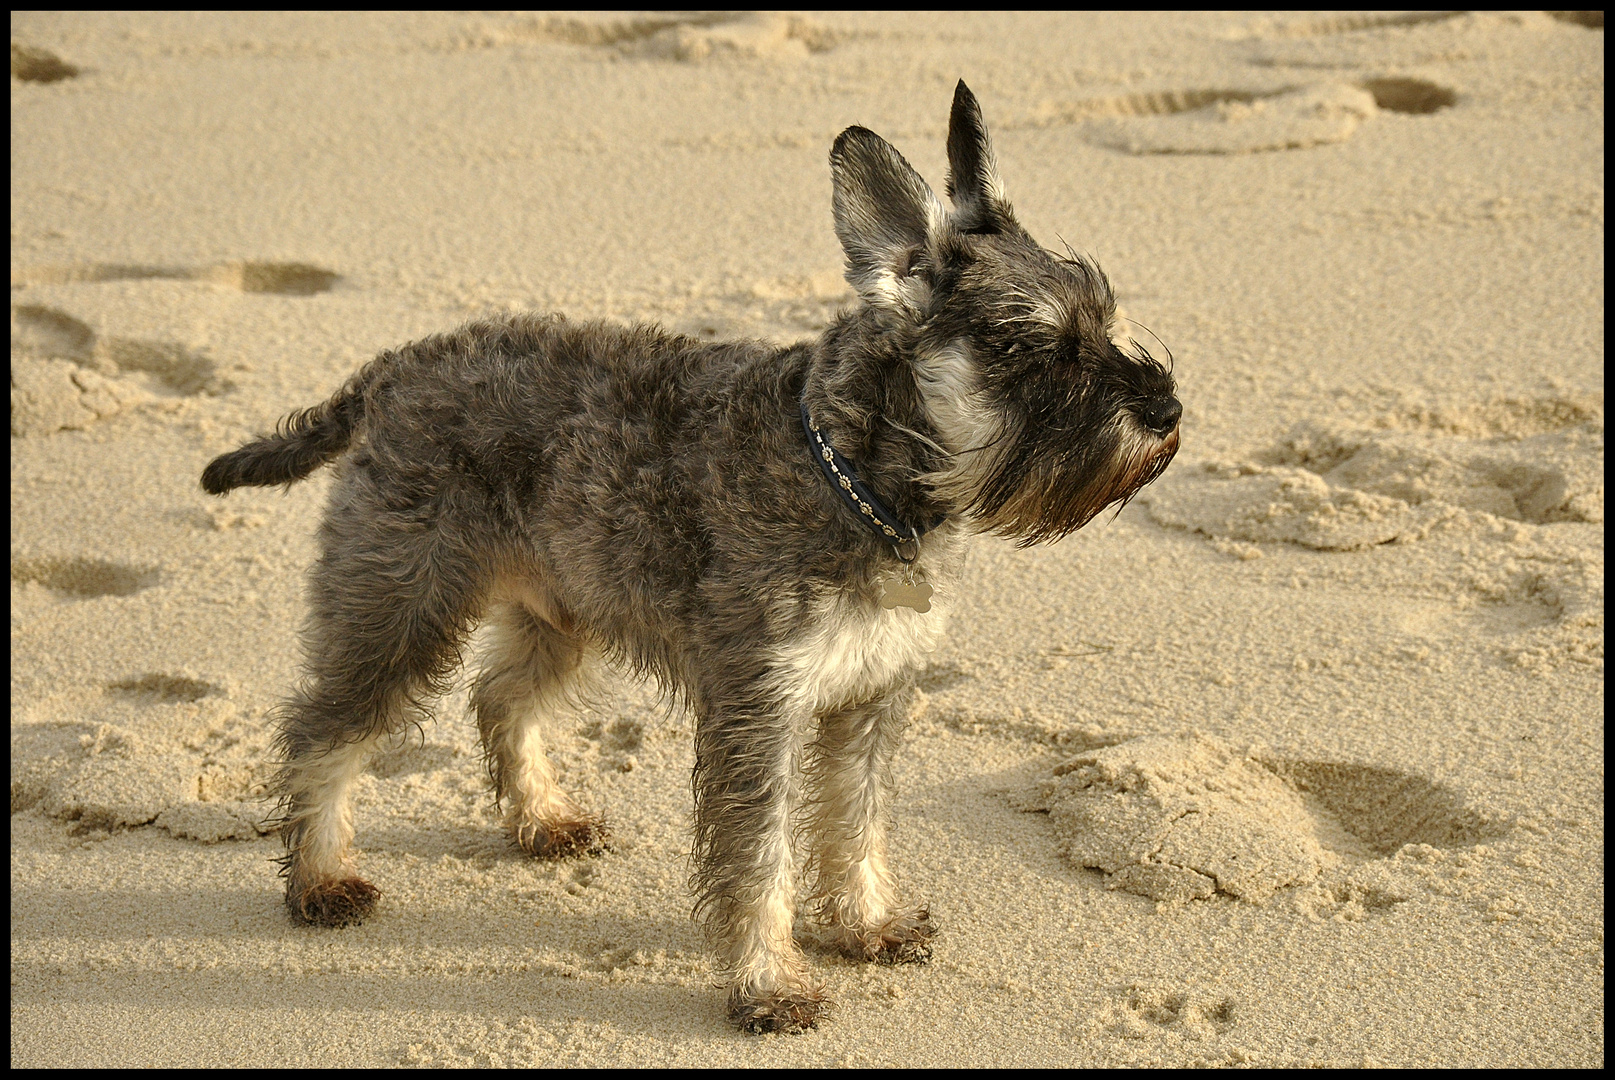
x=1296 y=761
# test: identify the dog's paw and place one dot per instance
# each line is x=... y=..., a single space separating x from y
x=334 y=903
x=564 y=839
x=787 y=1012
x=903 y=939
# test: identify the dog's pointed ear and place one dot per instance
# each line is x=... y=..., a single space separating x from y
x=886 y=218
x=973 y=184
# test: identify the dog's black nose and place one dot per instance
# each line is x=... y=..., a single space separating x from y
x=1161 y=416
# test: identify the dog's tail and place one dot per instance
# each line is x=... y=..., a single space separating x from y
x=302 y=442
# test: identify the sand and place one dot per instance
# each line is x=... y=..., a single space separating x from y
x=1298 y=760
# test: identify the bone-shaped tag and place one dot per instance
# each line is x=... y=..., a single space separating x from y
x=901 y=594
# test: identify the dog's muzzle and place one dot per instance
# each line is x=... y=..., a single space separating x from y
x=1161 y=415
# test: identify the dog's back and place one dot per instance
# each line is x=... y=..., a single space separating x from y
x=509 y=401
x=613 y=463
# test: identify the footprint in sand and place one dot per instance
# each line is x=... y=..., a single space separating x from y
x=64 y=376
x=1589 y=20
x=161 y=748
x=1525 y=475
x=248 y=276
x=1375 y=42
x=1353 y=24
x=29 y=64
x=938 y=678
x=1329 y=26
x=1151 y=1005
x=1338 y=487
x=158 y=687
x=1307 y=113
x=687 y=38
x=412 y=759
x=83 y=579
x=1232 y=121
x=98 y=776
x=1185 y=817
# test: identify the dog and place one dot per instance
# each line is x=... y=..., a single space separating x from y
x=770 y=532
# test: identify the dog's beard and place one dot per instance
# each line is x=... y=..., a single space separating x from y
x=1038 y=490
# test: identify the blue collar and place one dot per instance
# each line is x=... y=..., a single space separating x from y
x=870 y=510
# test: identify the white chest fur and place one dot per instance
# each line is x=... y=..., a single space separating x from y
x=850 y=649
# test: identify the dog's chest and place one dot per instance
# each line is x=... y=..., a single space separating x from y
x=850 y=649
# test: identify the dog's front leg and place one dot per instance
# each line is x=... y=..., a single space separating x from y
x=745 y=866
x=849 y=771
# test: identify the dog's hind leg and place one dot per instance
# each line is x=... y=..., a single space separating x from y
x=531 y=670
x=322 y=885
x=392 y=598
x=849 y=785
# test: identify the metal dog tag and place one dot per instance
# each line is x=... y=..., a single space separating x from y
x=916 y=595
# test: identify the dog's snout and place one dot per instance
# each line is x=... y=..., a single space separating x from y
x=1162 y=415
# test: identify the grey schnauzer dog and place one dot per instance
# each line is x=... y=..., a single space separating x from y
x=771 y=532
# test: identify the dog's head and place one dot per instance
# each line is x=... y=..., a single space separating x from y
x=1045 y=417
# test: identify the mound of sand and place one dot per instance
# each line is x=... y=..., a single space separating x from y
x=1237 y=123
x=1341 y=487
x=1181 y=817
